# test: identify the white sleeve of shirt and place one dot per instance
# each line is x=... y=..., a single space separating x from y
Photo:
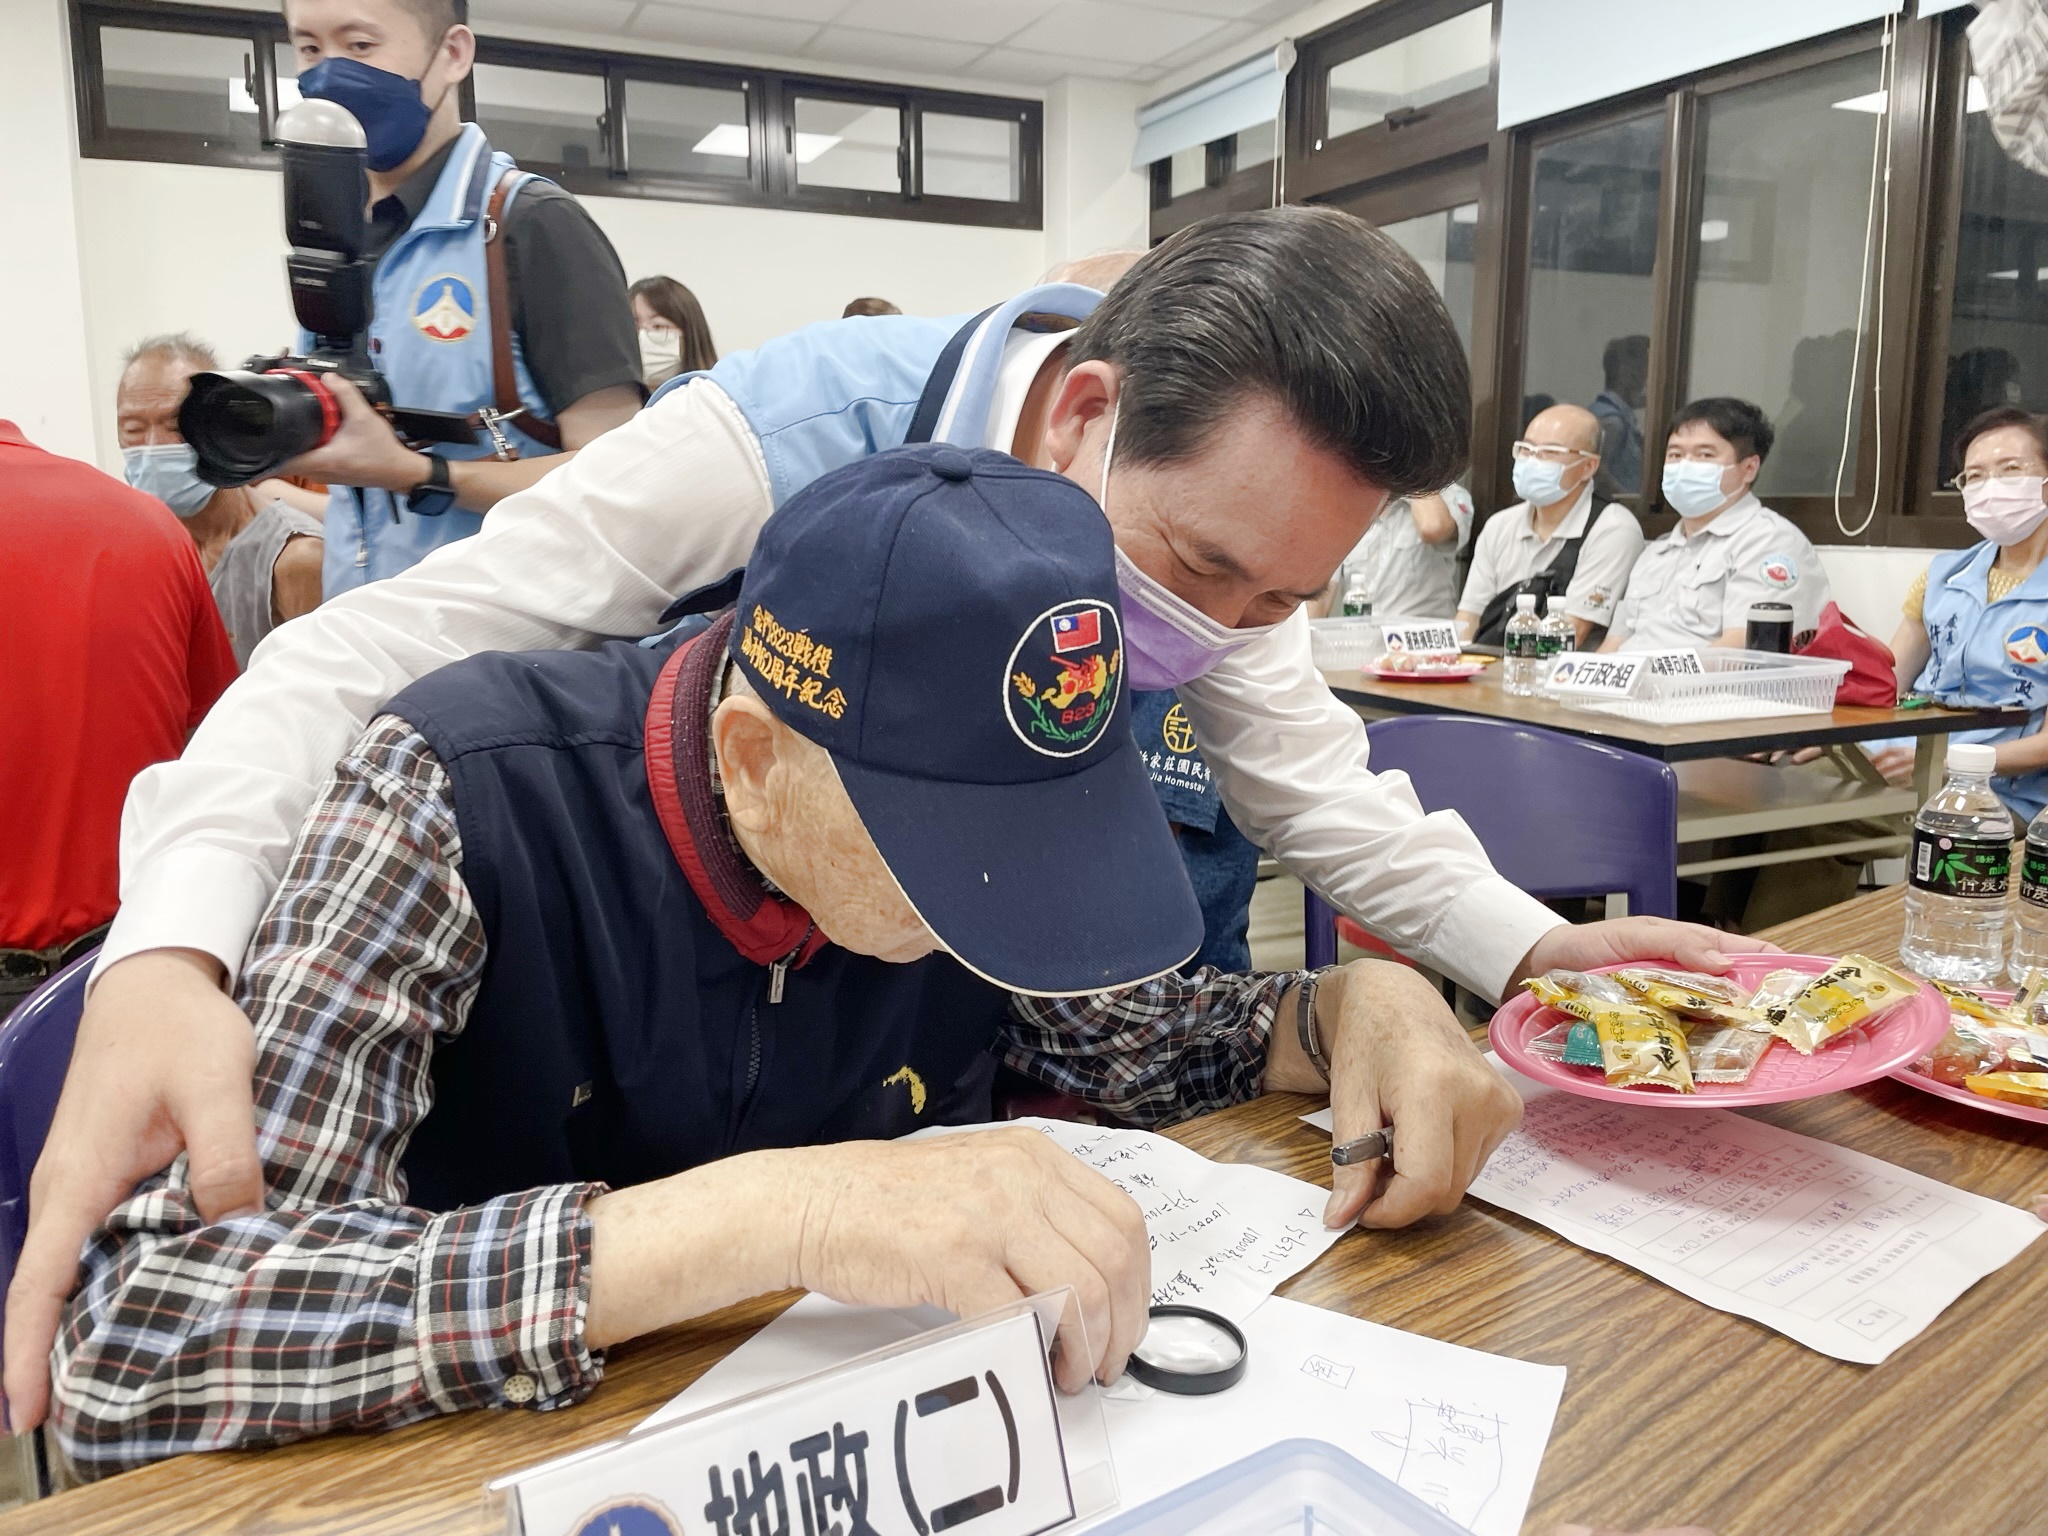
x=1605 y=559
x=660 y=505
x=1459 y=500
x=1290 y=760
x=1483 y=579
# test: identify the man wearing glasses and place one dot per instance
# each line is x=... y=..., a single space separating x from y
x=1552 y=538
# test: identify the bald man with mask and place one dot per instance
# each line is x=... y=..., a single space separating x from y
x=1554 y=531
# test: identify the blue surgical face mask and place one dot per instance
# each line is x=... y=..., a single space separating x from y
x=1692 y=487
x=390 y=108
x=1539 y=483
x=170 y=473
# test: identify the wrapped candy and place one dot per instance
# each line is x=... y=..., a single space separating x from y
x=1852 y=991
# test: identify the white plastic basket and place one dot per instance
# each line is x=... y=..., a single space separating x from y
x=1732 y=685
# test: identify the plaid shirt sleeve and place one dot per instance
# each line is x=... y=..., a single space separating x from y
x=2009 y=50
x=338 y=1306
x=1153 y=1054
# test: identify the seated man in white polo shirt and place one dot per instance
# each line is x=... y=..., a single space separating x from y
x=1694 y=586
x=1553 y=530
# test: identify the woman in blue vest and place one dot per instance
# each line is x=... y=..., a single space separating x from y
x=1976 y=627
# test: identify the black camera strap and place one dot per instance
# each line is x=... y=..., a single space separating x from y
x=506 y=406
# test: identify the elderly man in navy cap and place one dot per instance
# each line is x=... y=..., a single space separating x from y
x=599 y=982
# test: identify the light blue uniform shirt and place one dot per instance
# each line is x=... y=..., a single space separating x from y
x=1983 y=654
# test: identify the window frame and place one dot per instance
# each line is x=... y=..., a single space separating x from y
x=770 y=181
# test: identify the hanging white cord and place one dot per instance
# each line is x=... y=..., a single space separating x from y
x=1280 y=146
x=1880 y=177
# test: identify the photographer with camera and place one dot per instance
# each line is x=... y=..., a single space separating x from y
x=494 y=296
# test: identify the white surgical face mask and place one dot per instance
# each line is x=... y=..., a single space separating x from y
x=2006 y=511
x=661 y=353
x=1170 y=640
x=170 y=473
x=1539 y=482
x=1692 y=488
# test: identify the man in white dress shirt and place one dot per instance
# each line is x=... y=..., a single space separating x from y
x=1555 y=529
x=1695 y=585
x=1243 y=404
x=1406 y=566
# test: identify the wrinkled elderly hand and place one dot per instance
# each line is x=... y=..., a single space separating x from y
x=1588 y=946
x=973 y=1221
x=1399 y=1058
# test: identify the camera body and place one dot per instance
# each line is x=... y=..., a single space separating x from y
x=242 y=424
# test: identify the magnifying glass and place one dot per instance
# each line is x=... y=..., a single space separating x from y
x=1189 y=1351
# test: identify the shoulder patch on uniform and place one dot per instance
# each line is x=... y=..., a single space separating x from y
x=1780 y=571
x=2028 y=645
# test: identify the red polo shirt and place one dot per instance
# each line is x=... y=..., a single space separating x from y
x=112 y=651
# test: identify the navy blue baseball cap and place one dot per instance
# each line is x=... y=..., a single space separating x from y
x=943 y=622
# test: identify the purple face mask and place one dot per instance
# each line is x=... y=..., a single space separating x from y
x=1167 y=641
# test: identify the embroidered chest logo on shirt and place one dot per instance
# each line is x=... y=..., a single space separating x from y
x=2028 y=645
x=907 y=1077
x=1061 y=681
x=1176 y=731
x=445 y=308
x=1780 y=571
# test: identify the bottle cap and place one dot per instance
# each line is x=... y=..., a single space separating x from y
x=1972 y=757
x=1553 y=606
x=1769 y=613
x=1525 y=602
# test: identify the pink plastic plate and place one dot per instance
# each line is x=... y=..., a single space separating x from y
x=1961 y=1095
x=1861 y=1055
x=1458 y=674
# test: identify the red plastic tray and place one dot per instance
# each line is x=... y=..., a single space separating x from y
x=1462 y=673
x=1864 y=1054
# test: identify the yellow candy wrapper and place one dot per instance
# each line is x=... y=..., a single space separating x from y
x=2029 y=1088
x=1852 y=991
x=1641 y=1044
x=1690 y=994
x=1774 y=991
x=1977 y=1006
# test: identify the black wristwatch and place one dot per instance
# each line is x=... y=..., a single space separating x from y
x=435 y=494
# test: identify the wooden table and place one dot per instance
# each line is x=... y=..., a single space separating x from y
x=1718 y=797
x=1672 y=1411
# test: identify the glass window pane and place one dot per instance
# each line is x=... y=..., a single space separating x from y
x=1442 y=243
x=1255 y=145
x=180 y=83
x=686 y=130
x=973 y=157
x=1190 y=170
x=847 y=144
x=1787 y=167
x=1998 y=328
x=1592 y=245
x=1421 y=69
x=543 y=116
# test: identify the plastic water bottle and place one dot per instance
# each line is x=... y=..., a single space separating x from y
x=1957 y=871
x=1358 y=595
x=1523 y=649
x=2030 y=916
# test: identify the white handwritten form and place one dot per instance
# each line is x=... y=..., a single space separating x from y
x=1461 y=1430
x=1847 y=1254
x=1223 y=1234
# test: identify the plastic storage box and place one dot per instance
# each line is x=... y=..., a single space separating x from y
x=1295 y=1488
x=1732 y=685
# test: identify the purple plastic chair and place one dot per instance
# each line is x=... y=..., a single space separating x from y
x=35 y=1052
x=1558 y=815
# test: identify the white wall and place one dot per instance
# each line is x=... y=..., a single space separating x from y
x=45 y=386
x=1869 y=583
x=1094 y=201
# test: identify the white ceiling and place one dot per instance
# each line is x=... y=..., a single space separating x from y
x=980 y=42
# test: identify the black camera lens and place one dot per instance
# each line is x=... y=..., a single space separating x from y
x=242 y=426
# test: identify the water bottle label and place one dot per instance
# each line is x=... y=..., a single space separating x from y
x=2034 y=873
x=1527 y=646
x=1548 y=646
x=1975 y=867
